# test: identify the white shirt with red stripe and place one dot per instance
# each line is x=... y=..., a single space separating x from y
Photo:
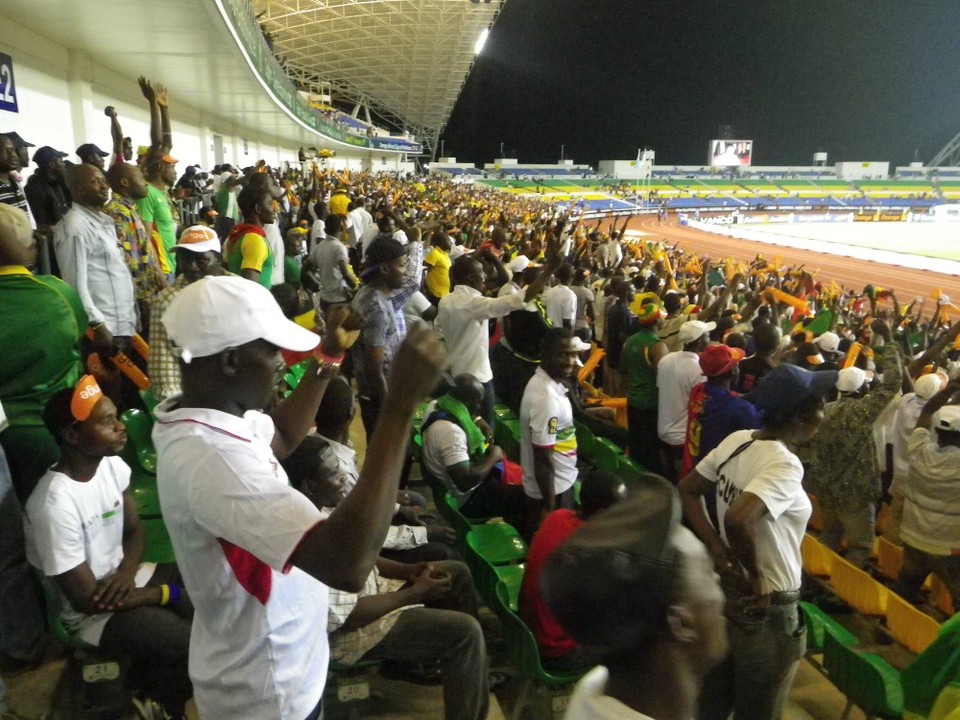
x=259 y=647
x=546 y=421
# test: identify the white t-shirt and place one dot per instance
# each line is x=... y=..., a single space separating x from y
x=445 y=445
x=590 y=703
x=904 y=422
x=560 y=303
x=69 y=523
x=546 y=421
x=327 y=256
x=259 y=648
x=584 y=298
x=677 y=374
x=275 y=241
x=767 y=469
x=367 y=237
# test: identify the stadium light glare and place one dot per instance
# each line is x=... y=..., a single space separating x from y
x=480 y=41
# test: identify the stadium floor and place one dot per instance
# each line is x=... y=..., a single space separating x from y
x=845 y=271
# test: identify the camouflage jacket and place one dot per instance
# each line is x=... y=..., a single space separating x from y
x=844 y=470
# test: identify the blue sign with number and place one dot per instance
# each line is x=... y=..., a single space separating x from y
x=8 y=90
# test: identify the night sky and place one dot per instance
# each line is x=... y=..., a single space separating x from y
x=860 y=80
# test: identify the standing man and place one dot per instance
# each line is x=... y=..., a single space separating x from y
x=198 y=256
x=92 y=262
x=438 y=266
x=254 y=554
x=548 y=439
x=226 y=201
x=46 y=189
x=126 y=181
x=560 y=301
x=677 y=373
x=844 y=467
x=11 y=193
x=334 y=274
x=620 y=325
x=247 y=252
x=642 y=353
x=156 y=209
x=585 y=313
x=92 y=155
x=463 y=315
x=390 y=279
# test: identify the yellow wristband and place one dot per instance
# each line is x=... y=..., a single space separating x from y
x=164 y=594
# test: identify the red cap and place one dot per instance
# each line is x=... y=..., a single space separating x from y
x=720 y=359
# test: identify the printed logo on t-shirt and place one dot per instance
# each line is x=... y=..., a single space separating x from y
x=552 y=426
x=727 y=491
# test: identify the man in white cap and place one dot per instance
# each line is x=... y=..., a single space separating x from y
x=931 y=511
x=904 y=423
x=198 y=256
x=253 y=551
x=829 y=345
x=677 y=373
x=844 y=470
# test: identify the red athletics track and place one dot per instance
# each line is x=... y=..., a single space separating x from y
x=845 y=271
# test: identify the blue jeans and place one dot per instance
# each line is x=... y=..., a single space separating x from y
x=765 y=650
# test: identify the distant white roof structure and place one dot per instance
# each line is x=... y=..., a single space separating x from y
x=405 y=59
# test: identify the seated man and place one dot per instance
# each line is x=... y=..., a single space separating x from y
x=419 y=614
x=83 y=531
x=559 y=651
x=457 y=451
x=328 y=459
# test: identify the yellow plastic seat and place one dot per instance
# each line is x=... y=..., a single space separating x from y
x=909 y=626
x=817 y=558
x=889 y=558
x=857 y=588
x=947 y=706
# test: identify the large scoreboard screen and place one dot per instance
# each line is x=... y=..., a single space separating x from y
x=731 y=153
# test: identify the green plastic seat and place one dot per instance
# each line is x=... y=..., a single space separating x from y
x=139 y=425
x=525 y=656
x=54 y=623
x=606 y=454
x=507 y=436
x=158 y=547
x=868 y=681
x=294 y=375
x=488 y=577
x=503 y=412
x=818 y=622
x=450 y=511
x=143 y=490
x=497 y=543
x=629 y=469
x=873 y=685
x=149 y=399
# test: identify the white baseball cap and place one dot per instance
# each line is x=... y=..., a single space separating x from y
x=694 y=330
x=199 y=239
x=828 y=342
x=215 y=313
x=947 y=418
x=851 y=379
x=519 y=264
x=926 y=386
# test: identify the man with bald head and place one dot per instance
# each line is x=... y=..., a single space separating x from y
x=129 y=186
x=91 y=261
x=458 y=451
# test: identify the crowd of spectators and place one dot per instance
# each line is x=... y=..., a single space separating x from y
x=745 y=386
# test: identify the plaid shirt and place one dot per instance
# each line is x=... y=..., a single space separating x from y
x=137 y=249
x=163 y=366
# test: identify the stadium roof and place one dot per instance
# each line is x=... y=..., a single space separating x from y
x=406 y=59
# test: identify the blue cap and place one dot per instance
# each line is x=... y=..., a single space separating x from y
x=786 y=386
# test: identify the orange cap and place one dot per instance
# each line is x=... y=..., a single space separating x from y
x=86 y=395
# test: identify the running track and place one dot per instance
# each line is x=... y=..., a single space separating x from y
x=845 y=271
